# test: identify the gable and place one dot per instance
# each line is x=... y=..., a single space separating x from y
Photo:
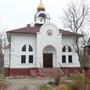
x=49 y=28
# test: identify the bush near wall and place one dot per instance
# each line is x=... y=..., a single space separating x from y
x=77 y=83
x=3 y=86
x=66 y=86
x=1 y=60
x=83 y=84
x=45 y=87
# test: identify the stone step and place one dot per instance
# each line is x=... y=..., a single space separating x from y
x=50 y=72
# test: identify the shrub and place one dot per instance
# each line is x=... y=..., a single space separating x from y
x=1 y=74
x=50 y=83
x=45 y=87
x=82 y=82
x=57 y=79
x=66 y=86
x=74 y=77
x=3 y=86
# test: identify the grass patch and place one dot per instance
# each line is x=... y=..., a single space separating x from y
x=78 y=79
x=69 y=82
x=1 y=74
x=48 y=86
x=45 y=87
x=77 y=82
x=66 y=86
x=74 y=77
x=3 y=85
x=83 y=82
x=50 y=83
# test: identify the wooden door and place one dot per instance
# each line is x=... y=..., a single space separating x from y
x=47 y=60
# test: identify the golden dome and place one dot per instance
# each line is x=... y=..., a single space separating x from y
x=40 y=6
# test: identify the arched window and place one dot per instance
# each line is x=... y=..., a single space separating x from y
x=69 y=49
x=27 y=58
x=64 y=49
x=30 y=48
x=24 y=48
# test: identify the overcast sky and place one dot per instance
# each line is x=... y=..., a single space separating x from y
x=18 y=13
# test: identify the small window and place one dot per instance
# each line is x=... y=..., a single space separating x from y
x=63 y=59
x=24 y=48
x=23 y=58
x=30 y=48
x=30 y=58
x=69 y=49
x=64 y=49
x=70 y=58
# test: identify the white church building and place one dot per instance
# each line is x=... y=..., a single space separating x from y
x=40 y=48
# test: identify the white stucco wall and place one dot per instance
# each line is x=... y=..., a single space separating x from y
x=68 y=41
x=6 y=57
x=44 y=40
x=53 y=44
x=17 y=42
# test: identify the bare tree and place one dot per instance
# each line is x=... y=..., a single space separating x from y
x=75 y=17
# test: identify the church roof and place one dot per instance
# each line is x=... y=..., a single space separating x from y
x=26 y=30
x=35 y=29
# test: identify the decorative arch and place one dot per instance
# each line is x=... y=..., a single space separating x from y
x=49 y=48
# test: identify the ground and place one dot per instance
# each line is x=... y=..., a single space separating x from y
x=26 y=83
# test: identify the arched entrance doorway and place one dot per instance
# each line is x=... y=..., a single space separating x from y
x=49 y=56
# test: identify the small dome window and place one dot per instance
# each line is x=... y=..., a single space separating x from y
x=42 y=15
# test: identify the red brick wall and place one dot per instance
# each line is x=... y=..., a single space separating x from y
x=72 y=70
x=21 y=72
x=38 y=71
x=6 y=72
x=88 y=55
x=88 y=50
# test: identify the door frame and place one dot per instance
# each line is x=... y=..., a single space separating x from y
x=49 y=63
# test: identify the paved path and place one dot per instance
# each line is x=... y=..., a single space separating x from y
x=26 y=83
